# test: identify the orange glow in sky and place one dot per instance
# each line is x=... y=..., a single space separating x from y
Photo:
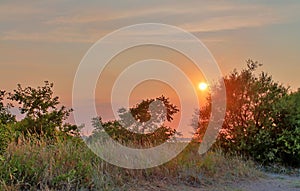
x=47 y=41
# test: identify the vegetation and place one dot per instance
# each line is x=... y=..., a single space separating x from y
x=5 y=120
x=43 y=116
x=262 y=118
x=69 y=165
x=43 y=152
x=141 y=125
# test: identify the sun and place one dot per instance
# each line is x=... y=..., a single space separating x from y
x=202 y=86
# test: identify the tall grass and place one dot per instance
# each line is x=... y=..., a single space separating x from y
x=67 y=164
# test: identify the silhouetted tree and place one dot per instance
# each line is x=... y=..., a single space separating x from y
x=141 y=125
x=43 y=116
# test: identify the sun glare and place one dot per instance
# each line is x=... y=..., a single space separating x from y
x=202 y=86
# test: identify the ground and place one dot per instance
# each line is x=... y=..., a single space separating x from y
x=272 y=182
x=269 y=182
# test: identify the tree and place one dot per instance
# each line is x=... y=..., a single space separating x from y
x=43 y=116
x=141 y=125
x=6 y=118
x=288 y=120
x=254 y=122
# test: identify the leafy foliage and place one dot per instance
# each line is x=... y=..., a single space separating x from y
x=141 y=125
x=6 y=118
x=43 y=116
x=262 y=118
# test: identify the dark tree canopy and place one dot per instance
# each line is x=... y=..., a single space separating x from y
x=43 y=115
x=141 y=125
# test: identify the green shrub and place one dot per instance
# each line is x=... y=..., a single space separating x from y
x=262 y=118
x=43 y=115
x=4 y=138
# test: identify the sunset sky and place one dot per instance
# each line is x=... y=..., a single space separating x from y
x=46 y=40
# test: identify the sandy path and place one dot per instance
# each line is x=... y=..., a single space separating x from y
x=271 y=182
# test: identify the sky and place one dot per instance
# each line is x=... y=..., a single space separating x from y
x=46 y=40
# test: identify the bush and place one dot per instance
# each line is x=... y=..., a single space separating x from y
x=142 y=125
x=6 y=118
x=262 y=118
x=43 y=116
x=4 y=138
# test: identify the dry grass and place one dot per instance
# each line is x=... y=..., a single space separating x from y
x=69 y=165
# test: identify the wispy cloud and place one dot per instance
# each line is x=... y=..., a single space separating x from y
x=230 y=23
x=88 y=25
x=57 y=35
x=14 y=11
x=109 y=15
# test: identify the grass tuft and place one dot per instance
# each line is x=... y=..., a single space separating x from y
x=68 y=164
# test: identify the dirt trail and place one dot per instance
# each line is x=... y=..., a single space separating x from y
x=271 y=182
